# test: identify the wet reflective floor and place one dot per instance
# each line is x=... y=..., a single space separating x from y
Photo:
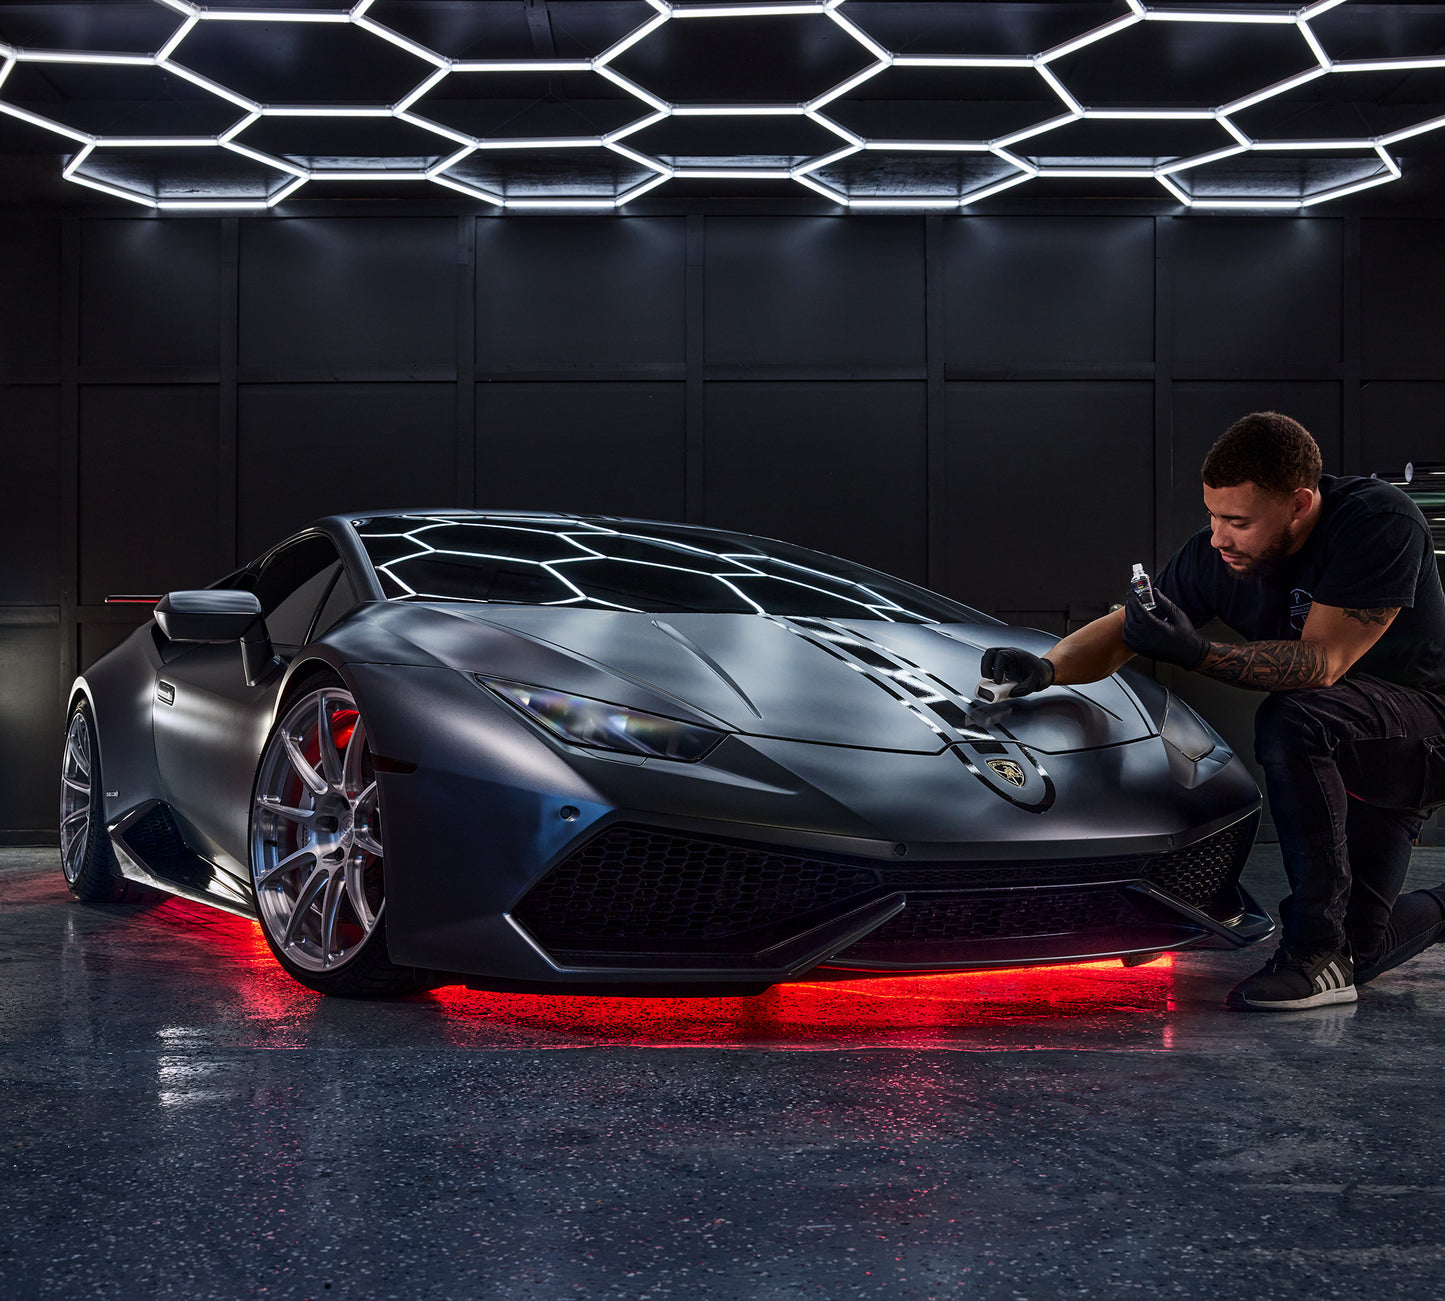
x=181 y=1120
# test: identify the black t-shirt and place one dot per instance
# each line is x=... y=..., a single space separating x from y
x=1370 y=548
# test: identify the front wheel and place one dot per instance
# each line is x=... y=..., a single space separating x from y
x=318 y=848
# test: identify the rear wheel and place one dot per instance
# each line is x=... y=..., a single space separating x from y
x=318 y=850
x=86 y=856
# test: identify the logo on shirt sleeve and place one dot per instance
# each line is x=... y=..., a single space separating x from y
x=1299 y=608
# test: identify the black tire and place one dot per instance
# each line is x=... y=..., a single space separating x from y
x=363 y=972
x=87 y=858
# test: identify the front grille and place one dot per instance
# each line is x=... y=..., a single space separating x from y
x=639 y=889
x=1003 y=915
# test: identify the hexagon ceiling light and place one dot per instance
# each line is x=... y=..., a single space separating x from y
x=1223 y=154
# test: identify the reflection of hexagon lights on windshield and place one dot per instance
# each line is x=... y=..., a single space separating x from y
x=1172 y=173
x=599 y=725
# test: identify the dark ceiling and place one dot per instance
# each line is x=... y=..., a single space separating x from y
x=932 y=130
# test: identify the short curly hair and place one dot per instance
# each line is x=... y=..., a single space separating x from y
x=1267 y=449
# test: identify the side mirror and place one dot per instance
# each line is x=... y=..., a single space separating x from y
x=208 y=616
x=220 y=615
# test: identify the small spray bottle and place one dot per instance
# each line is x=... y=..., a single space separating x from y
x=1143 y=588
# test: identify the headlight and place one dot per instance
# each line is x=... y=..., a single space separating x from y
x=1186 y=731
x=602 y=726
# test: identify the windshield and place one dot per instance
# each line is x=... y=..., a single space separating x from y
x=613 y=564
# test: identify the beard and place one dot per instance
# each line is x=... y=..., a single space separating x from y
x=1263 y=567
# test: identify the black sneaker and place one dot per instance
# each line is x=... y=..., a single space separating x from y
x=1287 y=983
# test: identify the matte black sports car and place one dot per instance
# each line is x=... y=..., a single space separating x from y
x=540 y=751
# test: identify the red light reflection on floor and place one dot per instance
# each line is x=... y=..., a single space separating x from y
x=899 y=1011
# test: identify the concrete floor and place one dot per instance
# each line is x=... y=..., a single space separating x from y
x=180 y=1120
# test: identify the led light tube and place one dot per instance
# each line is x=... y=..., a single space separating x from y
x=400 y=41
x=560 y=203
x=1269 y=92
x=1217 y=16
x=932 y=146
x=843 y=87
x=522 y=65
x=824 y=160
x=215 y=87
x=78 y=160
x=436 y=128
x=176 y=38
x=1388 y=161
x=642 y=188
x=962 y=61
x=1246 y=141
x=373 y=174
x=837 y=128
x=1420 y=128
x=84 y=57
x=1060 y=90
x=471 y=191
x=1262 y=203
x=1316 y=48
x=211 y=205
x=1088 y=38
x=423 y=88
x=997 y=187
x=181 y=7
x=902 y=202
x=360 y=7
x=1389 y=65
x=115 y=191
x=329 y=110
x=267 y=160
x=1199 y=160
x=286 y=191
x=1150 y=114
x=1013 y=160
x=739 y=110
x=45 y=123
x=238 y=126
x=803 y=8
x=542 y=142
x=631 y=39
x=1319 y=7
x=646 y=160
x=827 y=191
x=632 y=88
x=466 y=151
x=1098 y=173
x=6 y=70
x=1278 y=146
x=156 y=142
x=1174 y=189
x=632 y=128
x=858 y=34
x=275 y=15
x=1003 y=142
x=1340 y=191
x=735 y=173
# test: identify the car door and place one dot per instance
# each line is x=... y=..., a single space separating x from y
x=210 y=726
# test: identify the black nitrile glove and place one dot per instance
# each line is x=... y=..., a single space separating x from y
x=1010 y=664
x=1163 y=633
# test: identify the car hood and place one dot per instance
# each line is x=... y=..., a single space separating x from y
x=856 y=682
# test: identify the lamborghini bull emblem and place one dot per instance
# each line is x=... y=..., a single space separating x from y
x=1009 y=771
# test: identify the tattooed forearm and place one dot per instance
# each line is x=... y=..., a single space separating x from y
x=1268 y=665
x=1381 y=617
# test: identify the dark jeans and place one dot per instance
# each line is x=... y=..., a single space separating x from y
x=1351 y=771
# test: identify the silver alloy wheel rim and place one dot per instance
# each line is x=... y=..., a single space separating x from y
x=75 y=797
x=316 y=844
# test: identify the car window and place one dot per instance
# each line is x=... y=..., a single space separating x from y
x=291 y=585
x=339 y=601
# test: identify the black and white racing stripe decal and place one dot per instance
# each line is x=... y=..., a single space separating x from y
x=1331 y=976
x=947 y=712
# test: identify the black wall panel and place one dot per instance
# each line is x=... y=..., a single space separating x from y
x=814 y=291
x=563 y=294
x=1014 y=403
x=1403 y=286
x=1204 y=410
x=30 y=482
x=29 y=708
x=1050 y=494
x=349 y=293
x=1049 y=291
x=307 y=450
x=150 y=293
x=1401 y=422
x=836 y=466
x=30 y=272
x=148 y=488
x=1252 y=292
x=608 y=449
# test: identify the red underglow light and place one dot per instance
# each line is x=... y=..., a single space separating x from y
x=1012 y=1007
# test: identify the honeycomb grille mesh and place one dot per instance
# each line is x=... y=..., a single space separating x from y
x=641 y=889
